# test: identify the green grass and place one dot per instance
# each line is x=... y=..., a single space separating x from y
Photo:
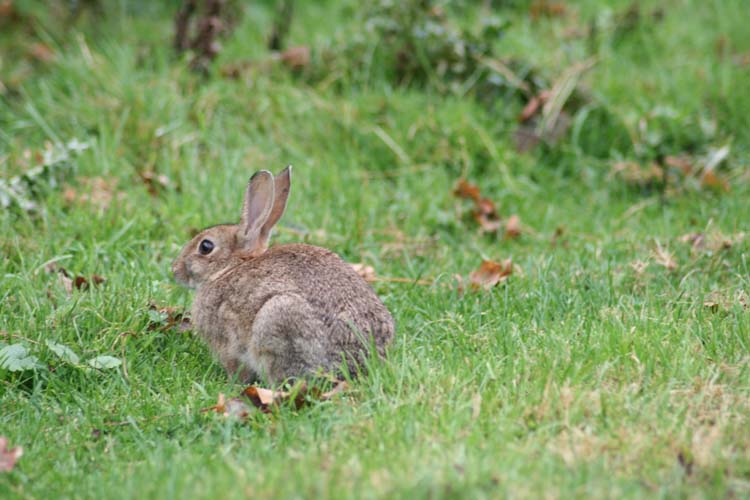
x=595 y=371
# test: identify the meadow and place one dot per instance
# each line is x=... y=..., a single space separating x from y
x=598 y=150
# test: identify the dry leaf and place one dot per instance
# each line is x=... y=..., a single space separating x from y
x=82 y=283
x=265 y=399
x=712 y=180
x=8 y=456
x=296 y=57
x=235 y=407
x=486 y=216
x=465 y=189
x=491 y=273
x=66 y=282
x=513 y=227
x=367 y=272
x=167 y=318
x=485 y=212
x=77 y=282
x=534 y=106
x=154 y=182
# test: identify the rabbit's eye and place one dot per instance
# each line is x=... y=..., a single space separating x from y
x=206 y=247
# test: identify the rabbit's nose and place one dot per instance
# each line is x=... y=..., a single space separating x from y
x=178 y=268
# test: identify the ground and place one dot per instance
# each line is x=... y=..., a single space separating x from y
x=613 y=361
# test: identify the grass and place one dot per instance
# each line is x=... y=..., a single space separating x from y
x=595 y=371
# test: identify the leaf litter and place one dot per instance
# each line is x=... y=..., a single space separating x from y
x=166 y=318
x=70 y=282
x=490 y=274
x=485 y=212
x=8 y=456
x=265 y=400
x=673 y=172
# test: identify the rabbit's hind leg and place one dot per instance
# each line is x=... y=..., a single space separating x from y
x=287 y=339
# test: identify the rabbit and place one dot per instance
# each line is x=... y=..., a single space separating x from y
x=283 y=312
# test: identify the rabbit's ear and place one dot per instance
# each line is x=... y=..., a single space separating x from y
x=281 y=185
x=256 y=210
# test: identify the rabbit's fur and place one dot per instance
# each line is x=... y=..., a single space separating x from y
x=288 y=311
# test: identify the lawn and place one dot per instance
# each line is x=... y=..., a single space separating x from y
x=613 y=361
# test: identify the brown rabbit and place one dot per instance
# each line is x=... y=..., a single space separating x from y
x=280 y=312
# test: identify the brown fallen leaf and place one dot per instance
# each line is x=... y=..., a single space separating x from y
x=534 y=106
x=465 y=189
x=484 y=212
x=490 y=273
x=65 y=281
x=367 y=272
x=81 y=283
x=513 y=227
x=265 y=399
x=8 y=456
x=155 y=183
x=486 y=216
x=713 y=180
x=69 y=282
x=296 y=57
x=167 y=318
x=235 y=407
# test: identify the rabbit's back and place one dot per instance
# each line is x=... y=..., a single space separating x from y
x=344 y=311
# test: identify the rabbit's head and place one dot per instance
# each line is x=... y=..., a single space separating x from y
x=218 y=248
